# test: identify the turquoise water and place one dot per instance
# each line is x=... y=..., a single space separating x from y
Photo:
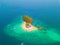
x=35 y=37
x=46 y=11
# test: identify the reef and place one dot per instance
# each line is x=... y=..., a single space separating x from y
x=33 y=37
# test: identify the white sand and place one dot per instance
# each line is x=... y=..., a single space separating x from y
x=31 y=28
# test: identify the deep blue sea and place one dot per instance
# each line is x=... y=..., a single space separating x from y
x=48 y=11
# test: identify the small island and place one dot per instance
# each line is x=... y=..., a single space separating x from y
x=27 y=25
